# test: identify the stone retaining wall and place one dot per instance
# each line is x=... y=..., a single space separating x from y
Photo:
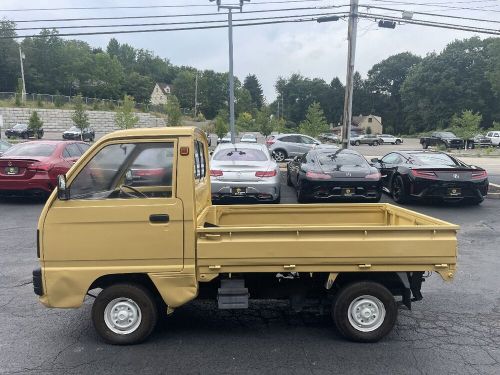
x=59 y=120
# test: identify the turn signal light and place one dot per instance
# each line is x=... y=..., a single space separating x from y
x=478 y=175
x=216 y=173
x=423 y=174
x=265 y=173
x=317 y=176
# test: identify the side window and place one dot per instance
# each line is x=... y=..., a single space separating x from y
x=73 y=150
x=391 y=159
x=83 y=147
x=307 y=140
x=66 y=154
x=127 y=170
x=496 y=135
x=287 y=139
x=199 y=161
x=490 y=134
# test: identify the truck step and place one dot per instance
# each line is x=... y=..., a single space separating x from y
x=232 y=294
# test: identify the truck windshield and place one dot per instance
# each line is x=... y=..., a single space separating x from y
x=240 y=154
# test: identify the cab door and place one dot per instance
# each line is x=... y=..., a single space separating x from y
x=122 y=211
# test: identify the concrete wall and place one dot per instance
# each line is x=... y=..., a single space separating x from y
x=59 y=120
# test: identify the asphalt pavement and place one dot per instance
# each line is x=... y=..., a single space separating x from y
x=454 y=330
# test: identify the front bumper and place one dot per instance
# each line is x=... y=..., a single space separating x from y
x=259 y=190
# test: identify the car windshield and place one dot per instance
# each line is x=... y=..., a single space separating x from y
x=74 y=129
x=436 y=159
x=248 y=136
x=240 y=154
x=20 y=126
x=31 y=149
x=339 y=158
x=447 y=135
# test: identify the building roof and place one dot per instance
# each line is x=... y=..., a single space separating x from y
x=163 y=87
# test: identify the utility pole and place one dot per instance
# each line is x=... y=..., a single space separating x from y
x=21 y=58
x=351 y=54
x=230 y=9
x=195 y=94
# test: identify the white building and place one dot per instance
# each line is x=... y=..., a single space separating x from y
x=160 y=94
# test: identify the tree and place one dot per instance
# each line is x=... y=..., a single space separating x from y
x=9 y=57
x=80 y=117
x=466 y=125
x=243 y=101
x=245 y=122
x=263 y=122
x=173 y=110
x=184 y=87
x=315 y=122
x=221 y=123
x=278 y=125
x=125 y=118
x=254 y=88
x=35 y=123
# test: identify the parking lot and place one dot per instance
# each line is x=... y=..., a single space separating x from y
x=455 y=329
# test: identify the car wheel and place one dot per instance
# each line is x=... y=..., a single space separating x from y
x=124 y=314
x=398 y=190
x=398 y=142
x=364 y=311
x=25 y=136
x=301 y=196
x=375 y=143
x=288 y=179
x=357 y=143
x=425 y=146
x=279 y=155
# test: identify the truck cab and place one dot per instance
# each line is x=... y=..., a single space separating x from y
x=132 y=225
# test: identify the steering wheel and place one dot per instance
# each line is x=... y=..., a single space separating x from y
x=139 y=193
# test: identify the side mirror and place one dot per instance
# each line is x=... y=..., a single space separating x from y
x=317 y=143
x=62 y=191
x=375 y=160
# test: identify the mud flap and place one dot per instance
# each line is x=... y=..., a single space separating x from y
x=412 y=282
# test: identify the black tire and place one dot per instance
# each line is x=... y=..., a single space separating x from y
x=301 y=197
x=375 y=143
x=143 y=300
x=288 y=179
x=280 y=155
x=25 y=136
x=357 y=143
x=365 y=295
x=398 y=142
x=398 y=191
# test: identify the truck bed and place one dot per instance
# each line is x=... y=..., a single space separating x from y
x=323 y=238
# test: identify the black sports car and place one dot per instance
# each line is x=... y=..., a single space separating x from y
x=431 y=174
x=334 y=174
x=23 y=131
x=74 y=133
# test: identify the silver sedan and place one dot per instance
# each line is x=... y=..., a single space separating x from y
x=244 y=171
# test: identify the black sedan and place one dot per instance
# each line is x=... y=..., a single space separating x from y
x=331 y=173
x=410 y=175
x=23 y=131
x=75 y=133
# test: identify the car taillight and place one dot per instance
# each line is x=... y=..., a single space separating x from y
x=269 y=142
x=478 y=175
x=216 y=173
x=423 y=174
x=317 y=176
x=265 y=173
x=37 y=167
x=373 y=176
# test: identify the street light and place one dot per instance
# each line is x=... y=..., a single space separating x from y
x=230 y=9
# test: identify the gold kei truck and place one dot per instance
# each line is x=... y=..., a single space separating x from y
x=132 y=225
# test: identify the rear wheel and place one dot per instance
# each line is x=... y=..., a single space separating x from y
x=279 y=155
x=25 y=136
x=398 y=142
x=357 y=143
x=398 y=190
x=124 y=314
x=364 y=311
x=375 y=143
x=301 y=197
x=424 y=145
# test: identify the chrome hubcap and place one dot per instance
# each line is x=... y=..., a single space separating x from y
x=366 y=313
x=122 y=316
x=279 y=156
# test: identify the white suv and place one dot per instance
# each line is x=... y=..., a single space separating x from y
x=495 y=137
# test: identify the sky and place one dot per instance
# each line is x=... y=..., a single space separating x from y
x=269 y=51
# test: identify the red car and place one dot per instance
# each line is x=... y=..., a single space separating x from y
x=31 y=168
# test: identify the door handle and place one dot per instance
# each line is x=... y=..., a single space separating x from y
x=159 y=218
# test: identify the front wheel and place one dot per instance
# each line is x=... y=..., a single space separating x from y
x=424 y=145
x=357 y=143
x=375 y=143
x=279 y=155
x=364 y=311
x=124 y=314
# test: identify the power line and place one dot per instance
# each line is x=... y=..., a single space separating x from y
x=174 y=15
x=431 y=24
x=430 y=14
x=150 y=6
x=439 y=5
x=171 y=23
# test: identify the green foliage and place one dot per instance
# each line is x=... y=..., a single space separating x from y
x=243 y=101
x=278 y=125
x=245 y=122
x=466 y=125
x=263 y=122
x=184 y=87
x=39 y=102
x=315 y=122
x=173 y=111
x=9 y=57
x=221 y=125
x=254 y=88
x=496 y=125
x=125 y=117
x=200 y=117
x=80 y=117
x=35 y=123
x=58 y=100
